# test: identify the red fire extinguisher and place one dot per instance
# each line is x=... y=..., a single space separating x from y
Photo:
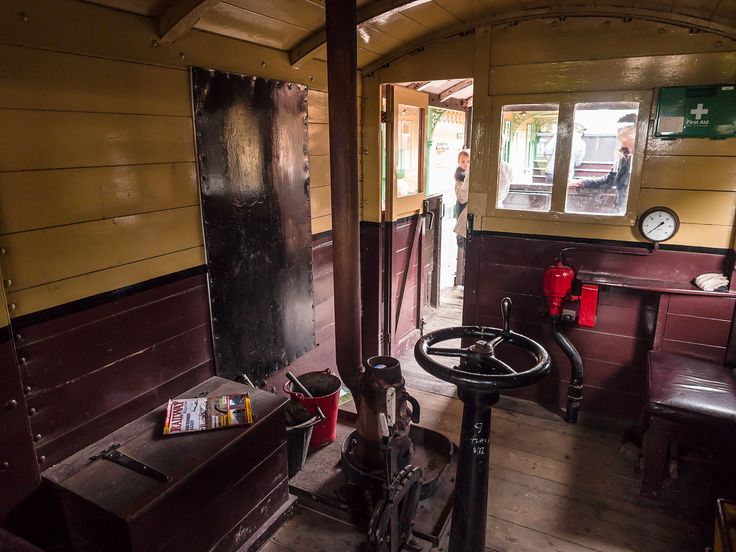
x=557 y=284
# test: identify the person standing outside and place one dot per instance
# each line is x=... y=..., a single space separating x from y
x=578 y=153
x=616 y=181
x=461 y=211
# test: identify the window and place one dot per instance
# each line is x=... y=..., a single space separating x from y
x=569 y=156
x=524 y=175
x=407 y=163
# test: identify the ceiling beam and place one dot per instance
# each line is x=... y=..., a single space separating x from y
x=373 y=10
x=181 y=16
x=450 y=92
x=512 y=18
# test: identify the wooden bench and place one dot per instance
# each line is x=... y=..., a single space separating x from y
x=227 y=487
x=689 y=401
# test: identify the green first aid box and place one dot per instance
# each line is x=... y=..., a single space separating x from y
x=696 y=112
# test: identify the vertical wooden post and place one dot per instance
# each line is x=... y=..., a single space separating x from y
x=342 y=54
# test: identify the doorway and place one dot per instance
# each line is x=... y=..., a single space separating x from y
x=441 y=112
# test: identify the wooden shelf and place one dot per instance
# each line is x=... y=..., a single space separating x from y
x=643 y=284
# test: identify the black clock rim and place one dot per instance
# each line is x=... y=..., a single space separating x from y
x=646 y=213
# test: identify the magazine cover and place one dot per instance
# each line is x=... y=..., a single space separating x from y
x=183 y=415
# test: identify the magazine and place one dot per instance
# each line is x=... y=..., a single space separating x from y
x=200 y=414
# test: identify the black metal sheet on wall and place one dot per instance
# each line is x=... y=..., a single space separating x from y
x=254 y=181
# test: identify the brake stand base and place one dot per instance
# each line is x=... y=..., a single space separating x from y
x=323 y=486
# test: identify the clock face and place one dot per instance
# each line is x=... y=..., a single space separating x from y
x=658 y=224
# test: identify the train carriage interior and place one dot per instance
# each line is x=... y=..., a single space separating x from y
x=458 y=273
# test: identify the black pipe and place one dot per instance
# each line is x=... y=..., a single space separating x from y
x=575 y=389
x=468 y=529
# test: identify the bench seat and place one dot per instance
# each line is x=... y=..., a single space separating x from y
x=689 y=401
x=225 y=484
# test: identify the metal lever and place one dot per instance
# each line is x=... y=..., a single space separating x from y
x=303 y=390
x=114 y=455
x=506 y=313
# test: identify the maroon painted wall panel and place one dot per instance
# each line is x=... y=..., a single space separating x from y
x=697 y=350
x=19 y=474
x=67 y=356
x=694 y=329
x=707 y=307
x=372 y=238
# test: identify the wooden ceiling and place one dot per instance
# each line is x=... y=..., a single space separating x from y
x=390 y=26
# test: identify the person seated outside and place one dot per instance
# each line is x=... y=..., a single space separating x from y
x=578 y=153
x=616 y=181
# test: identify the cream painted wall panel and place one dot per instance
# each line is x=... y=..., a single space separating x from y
x=540 y=41
x=431 y=15
x=321 y=224
x=31 y=200
x=38 y=199
x=321 y=202
x=317 y=106
x=120 y=35
x=44 y=256
x=144 y=188
x=54 y=139
x=699 y=207
x=85 y=285
x=319 y=139
x=633 y=73
x=700 y=235
x=690 y=173
x=319 y=171
x=690 y=146
x=41 y=79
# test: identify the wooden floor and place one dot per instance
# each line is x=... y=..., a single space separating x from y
x=553 y=486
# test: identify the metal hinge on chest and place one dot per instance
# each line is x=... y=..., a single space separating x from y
x=112 y=454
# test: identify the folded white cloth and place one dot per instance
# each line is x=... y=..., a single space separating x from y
x=712 y=281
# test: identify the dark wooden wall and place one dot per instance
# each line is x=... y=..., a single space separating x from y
x=614 y=350
x=90 y=368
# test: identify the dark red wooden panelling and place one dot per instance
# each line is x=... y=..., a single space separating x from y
x=372 y=238
x=19 y=474
x=614 y=350
x=694 y=329
x=705 y=307
x=92 y=370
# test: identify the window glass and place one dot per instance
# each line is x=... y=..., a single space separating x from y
x=525 y=172
x=407 y=150
x=602 y=153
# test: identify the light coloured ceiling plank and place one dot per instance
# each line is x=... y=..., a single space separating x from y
x=366 y=13
x=181 y=16
x=450 y=92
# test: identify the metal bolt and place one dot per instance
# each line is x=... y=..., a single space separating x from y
x=311 y=78
x=181 y=55
x=2 y=251
x=27 y=389
x=263 y=64
x=31 y=411
x=8 y=283
x=554 y=23
x=11 y=306
x=24 y=17
x=37 y=437
x=11 y=404
x=606 y=23
x=23 y=361
x=661 y=30
x=5 y=466
x=154 y=43
x=19 y=338
x=41 y=459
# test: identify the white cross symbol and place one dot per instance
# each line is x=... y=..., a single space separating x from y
x=699 y=112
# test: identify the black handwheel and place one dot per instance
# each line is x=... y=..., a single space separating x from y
x=479 y=378
x=479 y=368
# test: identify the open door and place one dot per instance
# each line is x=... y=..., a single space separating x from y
x=405 y=193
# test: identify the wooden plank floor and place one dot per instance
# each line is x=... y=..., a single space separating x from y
x=553 y=487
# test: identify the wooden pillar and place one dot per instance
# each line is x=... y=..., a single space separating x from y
x=343 y=117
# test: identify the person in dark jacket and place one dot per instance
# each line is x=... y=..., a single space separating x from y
x=616 y=181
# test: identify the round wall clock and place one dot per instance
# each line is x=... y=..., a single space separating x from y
x=658 y=224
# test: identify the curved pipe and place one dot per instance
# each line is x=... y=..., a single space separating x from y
x=575 y=389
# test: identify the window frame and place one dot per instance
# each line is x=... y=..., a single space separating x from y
x=563 y=145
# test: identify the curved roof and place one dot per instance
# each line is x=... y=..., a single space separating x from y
x=389 y=27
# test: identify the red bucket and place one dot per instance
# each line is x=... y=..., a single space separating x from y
x=325 y=389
